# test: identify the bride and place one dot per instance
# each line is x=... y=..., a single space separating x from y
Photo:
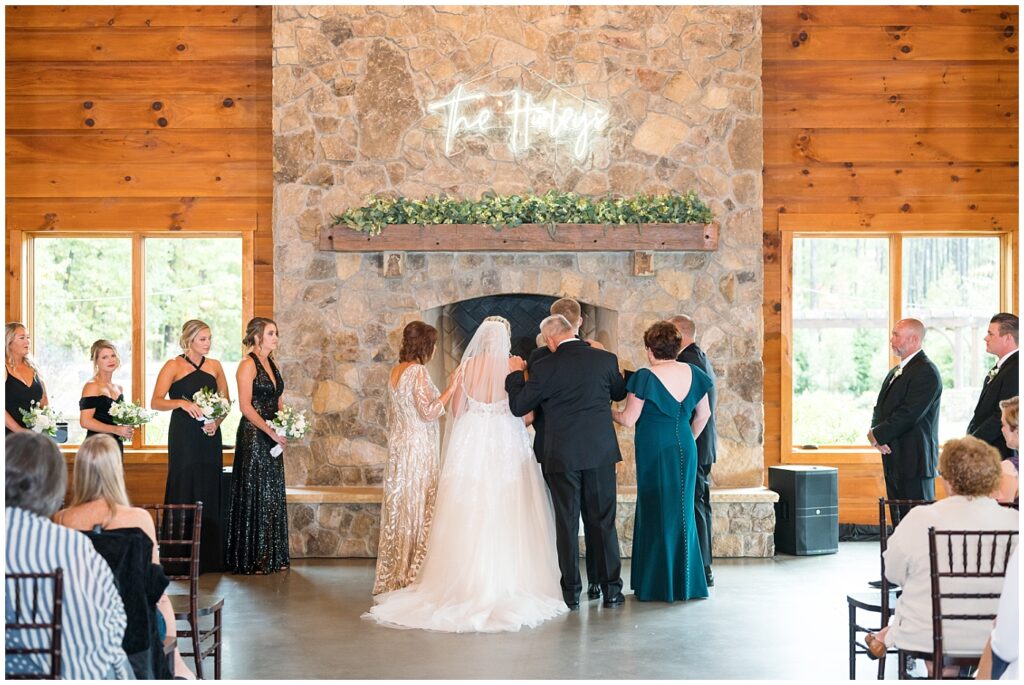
x=490 y=564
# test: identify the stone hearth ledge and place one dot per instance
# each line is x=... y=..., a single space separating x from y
x=343 y=521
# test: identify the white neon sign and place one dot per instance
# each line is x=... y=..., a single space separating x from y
x=524 y=119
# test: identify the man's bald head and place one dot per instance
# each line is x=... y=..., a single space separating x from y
x=686 y=328
x=907 y=337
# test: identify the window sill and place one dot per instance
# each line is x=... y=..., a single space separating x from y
x=832 y=455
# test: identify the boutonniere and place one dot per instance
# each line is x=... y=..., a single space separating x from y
x=993 y=372
x=896 y=374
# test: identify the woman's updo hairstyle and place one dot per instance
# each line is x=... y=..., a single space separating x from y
x=99 y=346
x=189 y=330
x=418 y=340
x=663 y=340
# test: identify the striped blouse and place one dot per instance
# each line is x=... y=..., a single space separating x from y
x=93 y=614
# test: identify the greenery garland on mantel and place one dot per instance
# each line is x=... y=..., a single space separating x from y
x=499 y=211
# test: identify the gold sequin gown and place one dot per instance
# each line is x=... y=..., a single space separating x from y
x=410 y=478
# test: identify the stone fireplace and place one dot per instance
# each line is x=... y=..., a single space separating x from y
x=352 y=93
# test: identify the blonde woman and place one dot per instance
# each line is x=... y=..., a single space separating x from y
x=194 y=449
x=100 y=393
x=1009 y=482
x=22 y=385
x=99 y=498
x=257 y=540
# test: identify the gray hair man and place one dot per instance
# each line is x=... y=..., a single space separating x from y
x=707 y=441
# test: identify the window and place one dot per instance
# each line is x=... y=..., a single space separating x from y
x=840 y=334
x=952 y=285
x=843 y=304
x=83 y=289
x=197 y=278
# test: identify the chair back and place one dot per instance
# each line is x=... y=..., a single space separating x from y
x=897 y=509
x=178 y=527
x=963 y=554
x=30 y=617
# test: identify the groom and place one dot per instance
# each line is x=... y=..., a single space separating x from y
x=574 y=386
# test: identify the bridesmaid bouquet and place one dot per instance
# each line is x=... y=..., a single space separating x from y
x=288 y=423
x=212 y=403
x=41 y=419
x=127 y=413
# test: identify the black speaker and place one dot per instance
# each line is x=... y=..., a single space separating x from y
x=807 y=513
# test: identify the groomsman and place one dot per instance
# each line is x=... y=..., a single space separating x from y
x=707 y=442
x=1001 y=383
x=573 y=313
x=905 y=420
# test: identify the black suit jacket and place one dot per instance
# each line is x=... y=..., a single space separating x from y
x=906 y=417
x=707 y=441
x=574 y=388
x=987 y=421
x=538 y=413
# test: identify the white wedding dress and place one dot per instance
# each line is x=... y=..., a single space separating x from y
x=490 y=564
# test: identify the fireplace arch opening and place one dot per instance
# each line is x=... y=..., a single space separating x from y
x=457 y=321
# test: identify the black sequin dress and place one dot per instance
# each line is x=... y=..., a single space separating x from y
x=102 y=404
x=17 y=396
x=194 y=464
x=258 y=529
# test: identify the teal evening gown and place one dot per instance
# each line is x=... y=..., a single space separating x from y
x=667 y=565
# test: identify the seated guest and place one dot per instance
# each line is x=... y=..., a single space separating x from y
x=1009 y=483
x=999 y=661
x=970 y=470
x=93 y=620
x=98 y=498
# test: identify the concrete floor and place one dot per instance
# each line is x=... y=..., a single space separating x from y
x=781 y=618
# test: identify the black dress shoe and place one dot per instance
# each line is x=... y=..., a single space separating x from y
x=616 y=601
x=593 y=591
x=573 y=606
x=709 y=576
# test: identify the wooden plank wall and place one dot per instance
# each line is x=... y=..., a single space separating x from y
x=152 y=119
x=880 y=118
x=123 y=119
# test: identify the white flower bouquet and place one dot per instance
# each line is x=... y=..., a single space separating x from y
x=127 y=413
x=290 y=424
x=41 y=419
x=213 y=405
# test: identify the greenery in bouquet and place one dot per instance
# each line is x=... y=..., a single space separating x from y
x=41 y=419
x=213 y=405
x=127 y=413
x=289 y=423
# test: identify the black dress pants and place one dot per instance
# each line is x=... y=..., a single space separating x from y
x=590 y=492
x=702 y=511
x=900 y=486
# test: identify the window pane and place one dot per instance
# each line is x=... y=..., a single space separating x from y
x=82 y=291
x=193 y=278
x=840 y=334
x=952 y=286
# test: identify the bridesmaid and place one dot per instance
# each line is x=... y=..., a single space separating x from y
x=413 y=465
x=257 y=541
x=22 y=384
x=195 y=456
x=667 y=563
x=100 y=393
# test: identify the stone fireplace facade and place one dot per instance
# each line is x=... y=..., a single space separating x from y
x=352 y=87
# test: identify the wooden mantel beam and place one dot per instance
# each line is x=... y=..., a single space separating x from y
x=525 y=238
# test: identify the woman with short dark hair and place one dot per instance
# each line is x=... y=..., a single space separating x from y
x=413 y=464
x=668 y=402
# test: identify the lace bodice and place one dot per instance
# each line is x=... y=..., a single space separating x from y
x=493 y=408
